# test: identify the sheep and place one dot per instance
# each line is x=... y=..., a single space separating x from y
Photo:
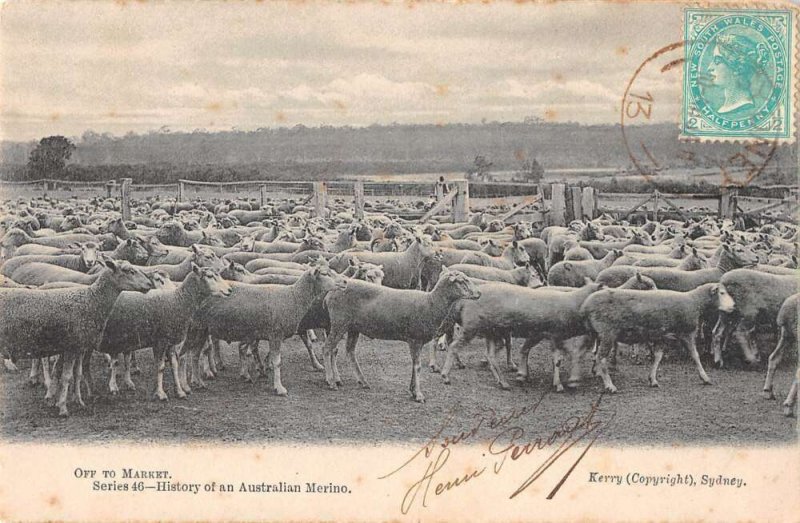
x=731 y=257
x=787 y=320
x=633 y=316
x=77 y=262
x=37 y=273
x=262 y=263
x=411 y=316
x=537 y=251
x=401 y=269
x=317 y=317
x=69 y=322
x=692 y=262
x=573 y=273
x=17 y=237
x=574 y=252
x=158 y=319
x=199 y=256
x=757 y=298
x=255 y=312
x=518 y=276
x=512 y=256
x=678 y=252
x=535 y=314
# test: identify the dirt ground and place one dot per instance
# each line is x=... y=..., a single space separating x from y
x=682 y=410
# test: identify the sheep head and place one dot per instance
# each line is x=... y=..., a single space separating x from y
x=212 y=282
x=126 y=276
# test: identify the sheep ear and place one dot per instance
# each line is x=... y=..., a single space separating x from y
x=195 y=268
x=110 y=264
x=587 y=280
x=195 y=248
x=567 y=266
x=694 y=251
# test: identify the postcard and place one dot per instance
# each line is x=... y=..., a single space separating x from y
x=399 y=261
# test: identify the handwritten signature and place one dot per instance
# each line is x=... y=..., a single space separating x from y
x=509 y=443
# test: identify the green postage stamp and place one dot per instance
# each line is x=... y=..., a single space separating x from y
x=738 y=80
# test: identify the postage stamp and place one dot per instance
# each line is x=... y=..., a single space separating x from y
x=737 y=77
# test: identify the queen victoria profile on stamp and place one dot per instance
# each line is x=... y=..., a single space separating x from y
x=738 y=82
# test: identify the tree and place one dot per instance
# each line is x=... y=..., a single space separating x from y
x=480 y=169
x=49 y=157
x=532 y=171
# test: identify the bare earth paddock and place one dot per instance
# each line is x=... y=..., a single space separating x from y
x=681 y=411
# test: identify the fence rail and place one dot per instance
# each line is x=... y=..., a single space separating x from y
x=565 y=203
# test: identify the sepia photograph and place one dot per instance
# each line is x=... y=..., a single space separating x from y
x=415 y=260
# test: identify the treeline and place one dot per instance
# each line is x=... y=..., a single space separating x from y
x=307 y=153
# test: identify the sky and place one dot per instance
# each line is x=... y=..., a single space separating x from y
x=117 y=67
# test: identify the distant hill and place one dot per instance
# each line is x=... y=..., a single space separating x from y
x=323 y=152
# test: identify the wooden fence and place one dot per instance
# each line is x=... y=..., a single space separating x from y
x=558 y=203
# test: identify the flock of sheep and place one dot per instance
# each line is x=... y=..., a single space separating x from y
x=182 y=277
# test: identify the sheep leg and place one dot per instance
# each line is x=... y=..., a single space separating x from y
x=329 y=355
x=160 y=360
x=78 y=381
x=606 y=345
x=490 y=358
x=352 y=340
x=312 y=336
x=452 y=351
x=793 y=396
x=557 y=352
x=576 y=350
x=68 y=366
x=244 y=363
x=659 y=352
x=726 y=323
x=337 y=378
x=688 y=342
x=509 y=348
x=432 y=353
x=58 y=368
x=275 y=363
x=46 y=372
x=33 y=377
x=416 y=368
x=196 y=354
x=305 y=336
x=744 y=335
x=774 y=359
x=183 y=370
x=10 y=366
x=116 y=361
x=176 y=372
x=135 y=365
x=523 y=370
x=126 y=371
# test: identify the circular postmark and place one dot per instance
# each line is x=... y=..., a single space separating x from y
x=653 y=95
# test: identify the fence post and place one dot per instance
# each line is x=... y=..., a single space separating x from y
x=588 y=202
x=577 y=207
x=727 y=203
x=320 y=198
x=558 y=204
x=125 y=191
x=109 y=188
x=439 y=191
x=262 y=189
x=358 y=199
x=181 y=188
x=461 y=202
x=655 y=205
